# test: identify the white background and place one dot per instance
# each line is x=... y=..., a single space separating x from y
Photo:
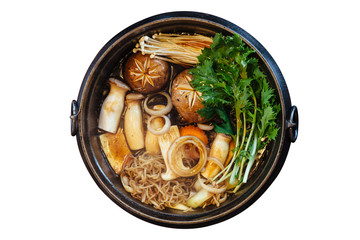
x=45 y=50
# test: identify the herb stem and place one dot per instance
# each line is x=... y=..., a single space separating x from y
x=244 y=159
x=234 y=173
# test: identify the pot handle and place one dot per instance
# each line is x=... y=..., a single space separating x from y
x=74 y=117
x=293 y=124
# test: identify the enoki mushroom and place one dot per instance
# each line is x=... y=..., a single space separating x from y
x=180 y=49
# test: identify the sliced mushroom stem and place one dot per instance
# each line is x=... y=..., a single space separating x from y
x=165 y=142
x=151 y=140
x=113 y=106
x=152 y=143
x=219 y=150
x=197 y=186
x=133 y=122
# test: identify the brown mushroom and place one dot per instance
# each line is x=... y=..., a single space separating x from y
x=186 y=99
x=145 y=74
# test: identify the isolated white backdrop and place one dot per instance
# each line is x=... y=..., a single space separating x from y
x=45 y=50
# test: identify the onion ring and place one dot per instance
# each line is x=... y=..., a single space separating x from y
x=158 y=112
x=211 y=189
x=175 y=156
x=163 y=130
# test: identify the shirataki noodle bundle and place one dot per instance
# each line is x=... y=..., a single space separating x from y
x=142 y=175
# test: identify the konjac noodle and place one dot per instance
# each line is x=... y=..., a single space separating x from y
x=187 y=119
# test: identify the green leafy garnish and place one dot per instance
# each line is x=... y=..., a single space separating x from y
x=234 y=86
x=226 y=126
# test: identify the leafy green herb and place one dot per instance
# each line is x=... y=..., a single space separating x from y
x=226 y=126
x=233 y=86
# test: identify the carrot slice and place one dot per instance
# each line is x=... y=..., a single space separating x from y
x=194 y=131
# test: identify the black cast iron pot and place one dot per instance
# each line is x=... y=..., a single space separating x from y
x=85 y=112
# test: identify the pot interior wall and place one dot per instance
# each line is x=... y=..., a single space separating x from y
x=107 y=64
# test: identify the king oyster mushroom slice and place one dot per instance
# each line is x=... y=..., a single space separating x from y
x=133 y=122
x=113 y=106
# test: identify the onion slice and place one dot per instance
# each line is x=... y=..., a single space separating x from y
x=123 y=177
x=158 y=112
x=210 y=188
x=161 y=131
x=125 y=183
x=205 y=127
x=175 y=156
x=216 y=161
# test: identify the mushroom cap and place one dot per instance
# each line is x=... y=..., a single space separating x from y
x=145 y=74
x=186 y=99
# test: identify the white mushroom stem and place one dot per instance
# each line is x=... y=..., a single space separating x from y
x=133 y=122
x=113 y=106
x=219 y=150
x=165 y=142
x=151 y=140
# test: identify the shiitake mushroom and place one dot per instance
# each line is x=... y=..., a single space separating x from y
x=145 y=74
x=186 y=99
